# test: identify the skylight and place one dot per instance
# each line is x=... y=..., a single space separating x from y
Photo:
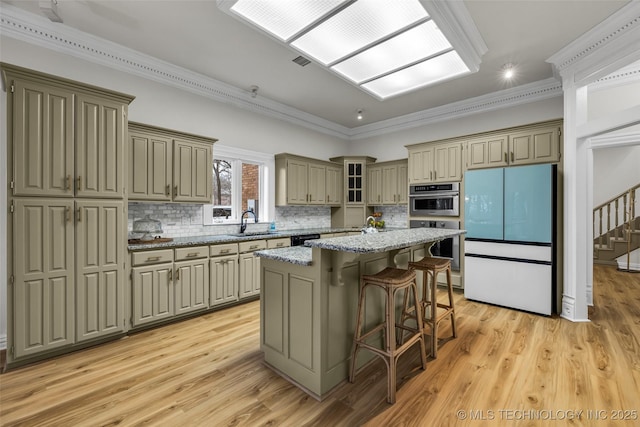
x=386 y=48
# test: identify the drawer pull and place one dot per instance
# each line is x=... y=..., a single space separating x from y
x=254 y=246
x=79 y=214
x=192 y=254
x=224 y=251
x=153 y=258
x=278 y=245
x=505 y=158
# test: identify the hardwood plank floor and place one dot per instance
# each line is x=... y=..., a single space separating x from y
x=505 y=368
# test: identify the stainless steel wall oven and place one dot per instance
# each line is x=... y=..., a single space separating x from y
x=441 y=199
x=448 y=248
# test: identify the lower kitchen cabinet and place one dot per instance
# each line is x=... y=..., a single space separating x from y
x=100 y=258
x=152 y=297
x=223 y=267
x=43 y=289
x=250 y=268
x=191 y=286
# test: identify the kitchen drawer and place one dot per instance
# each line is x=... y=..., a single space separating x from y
x=279 y=243
x=253 y=245
x=193 y=252
x=151 y=257
x=226 y=249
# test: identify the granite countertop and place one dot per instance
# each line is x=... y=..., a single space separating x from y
x=300 y=255
x=178 y=242
x=382 y=242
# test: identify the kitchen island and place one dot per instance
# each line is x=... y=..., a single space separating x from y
x=309 y=298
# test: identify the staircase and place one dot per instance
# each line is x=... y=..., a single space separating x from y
x=616 y=228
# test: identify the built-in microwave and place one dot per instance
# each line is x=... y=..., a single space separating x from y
x=441 y=199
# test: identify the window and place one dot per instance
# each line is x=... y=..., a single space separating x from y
x=239 y=184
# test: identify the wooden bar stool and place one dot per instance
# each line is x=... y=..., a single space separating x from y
x=432 y=310
x=390 y=280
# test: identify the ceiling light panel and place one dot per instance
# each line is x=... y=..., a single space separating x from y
x=443 y=67
x=285 y=18
x=358 y=26
x=416 y=44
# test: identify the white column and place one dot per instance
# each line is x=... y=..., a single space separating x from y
x=577 y=215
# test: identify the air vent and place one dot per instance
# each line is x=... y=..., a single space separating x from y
x=301 y=61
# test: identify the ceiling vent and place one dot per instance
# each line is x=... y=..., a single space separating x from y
x=301 y=61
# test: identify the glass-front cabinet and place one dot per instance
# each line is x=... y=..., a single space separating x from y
x=355 y=175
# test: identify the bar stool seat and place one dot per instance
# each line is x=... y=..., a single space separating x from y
x=390 y=280
x=432 y=310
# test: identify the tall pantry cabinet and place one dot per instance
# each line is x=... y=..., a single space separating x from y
x=68 y=222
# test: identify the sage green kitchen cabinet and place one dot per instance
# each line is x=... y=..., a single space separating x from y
x=421 y=164
x=167 y=165
x=306 y=181
x=101 y=126
x=539 y=143
x=191 y=279
x=150 y=165
x=430 y=162
x=43 y=286
x=66 y=145
x=374 y=185
x=152 y=285
x=249 y=266
x=43 y=140
x=387 y=183
x=223 y=267
x=334 y=185
x=100 y=271
x=192 y=172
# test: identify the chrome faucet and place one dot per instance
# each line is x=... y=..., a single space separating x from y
x=243 y=223
x=370 y=219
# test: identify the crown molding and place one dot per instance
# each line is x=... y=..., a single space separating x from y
x=524 y=94
x=627 y=75
x=607 y=47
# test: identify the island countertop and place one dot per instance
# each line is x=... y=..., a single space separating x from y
x=383 y=242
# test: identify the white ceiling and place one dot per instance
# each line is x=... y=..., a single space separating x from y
x=196 y=35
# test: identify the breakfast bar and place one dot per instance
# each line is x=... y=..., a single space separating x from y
x=309 y=298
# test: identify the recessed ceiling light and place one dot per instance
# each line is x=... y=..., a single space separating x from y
x=508 y=71
x=384 y=49
x=359 y=116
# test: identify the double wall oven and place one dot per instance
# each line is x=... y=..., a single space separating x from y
x=428 y=203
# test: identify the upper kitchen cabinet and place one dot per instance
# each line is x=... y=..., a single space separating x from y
x=435 y=162
x=66 y=138
x=539 y=143
x=352 y=210
x=387 y=183
x=166 y=165
x=305 y=181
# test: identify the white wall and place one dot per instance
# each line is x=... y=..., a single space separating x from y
x=392 y=146
x=604 y=102
x=614 y=171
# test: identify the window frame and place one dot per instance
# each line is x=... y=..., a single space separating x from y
x=237 y=157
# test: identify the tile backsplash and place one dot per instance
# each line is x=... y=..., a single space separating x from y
x=394 y=216
x=181 y=220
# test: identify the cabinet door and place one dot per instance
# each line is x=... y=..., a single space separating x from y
x=403 y=185
x=487 y=152
x=42 y=140
x=192 y=172
x=150 y=167
x=191 y=286
x=152 y=293
x=317 y=184
x=390 y=185
x=374 y=186
x=334 y=185
x=43 y=309
x=100 y=134
x=249 y=275
x=100 y=256
x=224 y=280
x=535 y=146
x=421 y=166
x=297 y=186
x=448 y=162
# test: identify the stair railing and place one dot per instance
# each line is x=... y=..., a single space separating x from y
x=627 y=216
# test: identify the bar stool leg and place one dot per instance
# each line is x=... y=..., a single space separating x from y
x=434 y=315
x=450 y=291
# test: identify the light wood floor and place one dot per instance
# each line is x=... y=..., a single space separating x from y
x=208 y=371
